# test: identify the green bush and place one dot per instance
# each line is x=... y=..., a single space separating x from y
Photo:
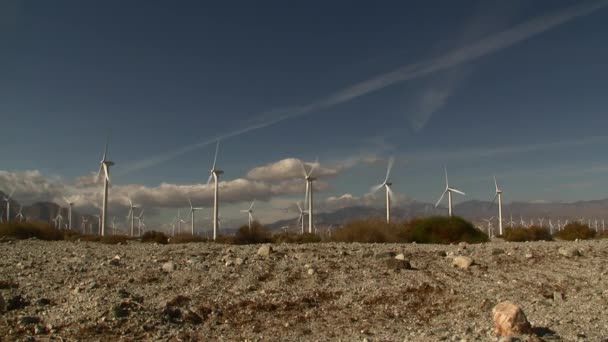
x=575 y=230
x=366 y=231
x=114 y=239
x=27 y=230
x=296 y=238
x=256 y=234
x=444 y=230
x=186 y=238
x=154 y=236
x=520 y=234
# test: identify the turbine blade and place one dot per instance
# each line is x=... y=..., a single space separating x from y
x=390 y=192
x=457 y=191
x=105 y=150
x=313 y=166
x=217 y=149
x=493 y=200
x=209 y=179
x=495 y=184
x=440 y=198
x=447 y=184
x=299 y=207
x=106 y=172
x=375 y=188
x=391 y=162
x=304 y=171
x=252 y=203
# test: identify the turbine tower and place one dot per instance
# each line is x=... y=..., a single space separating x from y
x=215 y=174
x=140 y=219
x=301 y=217
x=449 y=191
x=250 y=213
x=308 y=197
x=8 y=205
x=499 y=196
x=192 y=210
x=387 y=186
x=132 y=214
x=105 y=165
x=70 y=205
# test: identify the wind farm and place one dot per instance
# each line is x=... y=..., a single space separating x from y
x=404 y=171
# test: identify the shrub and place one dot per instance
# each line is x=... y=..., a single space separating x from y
x=440 y=229
x=114 y=239
x=186 y=238
x=366 y=231
x=256 y=234
x=575 y=230
x=27 y=230
x=154 y=236
x=534 y=233
x=296 y=238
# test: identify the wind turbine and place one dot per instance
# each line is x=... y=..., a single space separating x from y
x=132 y=214
x=387 y=186
x=449 y=191
x=19 y=215
x=511 y=222
x=58 y=219
x=192 y=210
x=489 y=221
x=249 y=213
x=8 y=205
x=522 y=222
x=114 y=225
x=308 y=197
x=301 y=217
x=179 y=222
x=83 y=225
x=215 y=174
x=99 y=220
x=499 y=196
x=140 y=218
x=540 y=221
x=105 y=165
x=70 y=205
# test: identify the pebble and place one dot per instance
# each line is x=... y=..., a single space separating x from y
x=169 y=266
x=463 y=262
x=265 y=251
x=569 y=252
x=509 y=319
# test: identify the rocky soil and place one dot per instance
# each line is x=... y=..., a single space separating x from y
x=315 y=292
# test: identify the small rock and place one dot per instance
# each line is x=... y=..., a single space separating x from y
x=16 y=302
x=169 y=267
x=43 y=302
x=29 y=320
x=400 y=256
x=311 y=271
x=463 y=262
x=569 y=252
x=509 y=319
x=398 y=264
x=497 y=251
x=39 y=330
x=192 y=317
x=121 y=310
x=462 y=245
x=529 y=255
x=238 y=261
x=265 y=251
x=229 y=263
x=558 y=296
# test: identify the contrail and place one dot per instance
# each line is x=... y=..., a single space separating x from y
x=408 y=72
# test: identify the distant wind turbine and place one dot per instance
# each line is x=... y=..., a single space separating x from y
x=215 y=174
x=499 y=196
x=449 y=191
x=387 y=186
x=8 y=205
x=249 y=213
x=192 y=210
x=105 y=165
x=70 y=205
x=301 y=216
x=19 y=215
x=309 y=193
x=132 y=214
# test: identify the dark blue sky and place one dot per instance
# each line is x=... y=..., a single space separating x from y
x=163 y=75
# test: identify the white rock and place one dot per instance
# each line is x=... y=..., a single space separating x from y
x=265 y=251
x=463 y=262
x=400 y=256
x=169 y=267
x=509 y=319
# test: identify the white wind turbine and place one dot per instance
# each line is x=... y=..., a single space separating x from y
x=499 y=196
x=179 y=221
x=449 y=191
x=132 y=214
x=387 y=186
x=301 y=216
x=309 y=190
x=99 y=220
x=83 y=224
x=490 y=226
x=540 y=221
x=192 y=210
x=114 y=225
x=58 y=219
x=8 y=205
x=215 y=175
x=249 y=213
x=19 y=215
x=140 y=220
x=105 y=165
x=70 y=206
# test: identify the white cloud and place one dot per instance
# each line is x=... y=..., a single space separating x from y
x=290 y=168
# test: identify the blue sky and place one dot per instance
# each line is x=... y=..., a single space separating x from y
x=515 y=89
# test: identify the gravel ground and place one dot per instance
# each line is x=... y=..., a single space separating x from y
x=314 y=292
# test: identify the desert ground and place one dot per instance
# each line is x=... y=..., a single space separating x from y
x=68 y=291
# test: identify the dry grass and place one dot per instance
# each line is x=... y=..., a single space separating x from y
x=575 y=231
x=28 y=230
x=155 y=237
x=521 y=234
x=186 y=238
